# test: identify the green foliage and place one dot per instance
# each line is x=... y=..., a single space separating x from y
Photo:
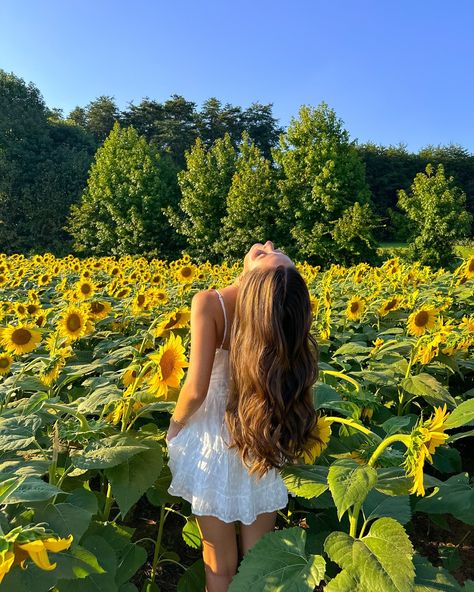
x=204 y=187
x=122 y=208
x=381 y=560
x=252 y=209
x=438 y=212
x=261 y=567
x=43 y=167
x=322 y=178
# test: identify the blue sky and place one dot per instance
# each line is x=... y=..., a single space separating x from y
x=393 y=71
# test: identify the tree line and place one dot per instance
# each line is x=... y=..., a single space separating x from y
x=160 y=179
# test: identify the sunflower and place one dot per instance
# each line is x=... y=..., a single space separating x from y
x=355 y=308
x=467 y=323
x=85 y=288
x=469 y=267
x=6 y=362
x=185 y=274
x=425 y=437
x=176 y=319
x=322 y=433
x=389 y=305
x=122 y=292
x=170 y=361
x=37 y=551
x=21 y=339
x=421 y=319
x=73 y=323
x=99 y=309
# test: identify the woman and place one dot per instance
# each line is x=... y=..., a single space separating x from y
x=246 y=407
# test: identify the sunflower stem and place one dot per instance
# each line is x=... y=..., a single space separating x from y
x=353 y=424
x=158 y=542
x=405 y=438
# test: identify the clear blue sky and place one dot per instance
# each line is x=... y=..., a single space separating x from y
x=394 y=71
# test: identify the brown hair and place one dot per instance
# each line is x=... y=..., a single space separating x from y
x=273 y=364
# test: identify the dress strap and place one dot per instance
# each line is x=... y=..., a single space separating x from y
x=221 y=298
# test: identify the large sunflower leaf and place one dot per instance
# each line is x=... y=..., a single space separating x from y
x=109 y=452
x=278 y=562
x=306 y=481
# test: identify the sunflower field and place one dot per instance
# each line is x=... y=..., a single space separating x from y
x=92 y=356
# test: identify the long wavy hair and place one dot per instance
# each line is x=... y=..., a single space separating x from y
x=273 y=365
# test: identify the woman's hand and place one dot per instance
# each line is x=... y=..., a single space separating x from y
x=173 y=430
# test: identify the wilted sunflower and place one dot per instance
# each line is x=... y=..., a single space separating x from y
x=6 y=362
x=355 y=308
x=425 y=437
x=21 y=339
x=422 y=319
x=73 y=323
x=170 y=361
x=322 y=433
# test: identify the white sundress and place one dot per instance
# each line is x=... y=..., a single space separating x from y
x=207 y=473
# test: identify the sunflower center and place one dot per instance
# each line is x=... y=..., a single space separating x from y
x=167 y=364
x=390 y=304
x=141 y=299
x=21 y=336
x=471 y=265
x=86 y=288
x=354 y=307
x=421 y=318
x=73 y=322
x=186 y=271
x=31 y=308
x=4 y=363
x=97 y=307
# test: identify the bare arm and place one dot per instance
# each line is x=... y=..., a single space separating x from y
x=201 y=359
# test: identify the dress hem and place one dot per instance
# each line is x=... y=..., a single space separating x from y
x=216 y=515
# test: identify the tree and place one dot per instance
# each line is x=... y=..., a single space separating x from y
x=204 y=187
x=322 y=176
x=215 y=120
x=437 y=209
x=43 y=167
x=252 y=207
x=121 y=211
x=101 y=114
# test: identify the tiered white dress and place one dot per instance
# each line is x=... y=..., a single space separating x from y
x=207 y=473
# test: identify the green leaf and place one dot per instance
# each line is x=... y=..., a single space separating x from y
x=8 y=486
x=134 y=475
x=305 y=480
x=108 y=452
x=352 y=348
x=461 y=415
x=18 y=433
x=378 y=504
x=426 y=386
x=350 y=483
x=393 y=481
x=278 y=562
x=33 y=489
x=191 y=535
x=66 y=519
x=432 y=579
x=383 y=558
x=194 y=578
x=343 y=582
x=454 y=496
